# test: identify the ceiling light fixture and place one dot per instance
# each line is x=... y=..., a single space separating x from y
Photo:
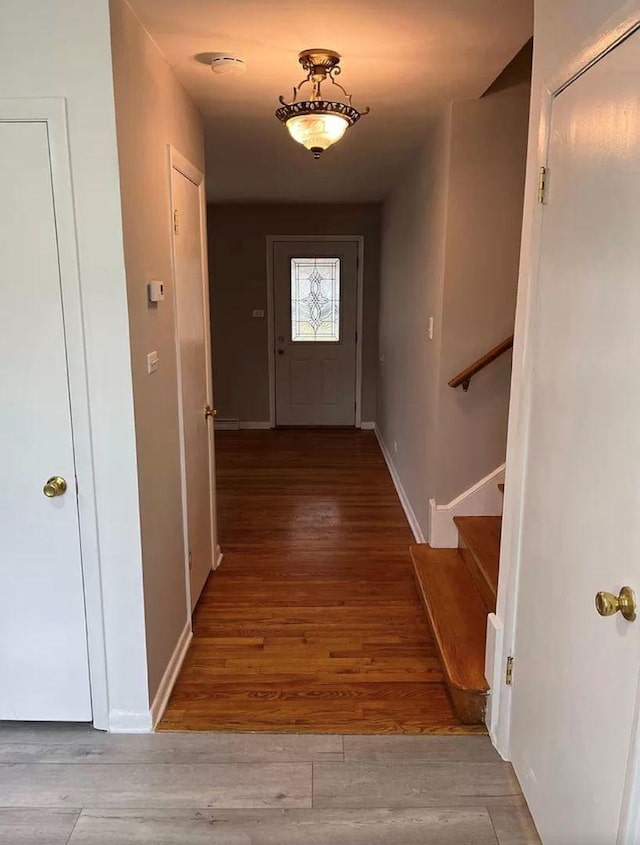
x=317 y=122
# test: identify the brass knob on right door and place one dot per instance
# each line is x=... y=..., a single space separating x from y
x=55 y=486
x=607 y=604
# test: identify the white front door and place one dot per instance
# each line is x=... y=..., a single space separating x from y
x=195 y=382
x=44 y=667
x=315 y=322
x=575 y=681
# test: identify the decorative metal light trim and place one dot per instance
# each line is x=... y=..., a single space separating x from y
x=319 y=107
x=320 y=64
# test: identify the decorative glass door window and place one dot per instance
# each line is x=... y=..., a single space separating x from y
x=315 y=300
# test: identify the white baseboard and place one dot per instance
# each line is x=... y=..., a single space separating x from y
x=124 y=722
x=226 y=425
x=368 y=426
x=219 y=557
x=493 y=672
x=256 y=425
x=483 y=499
x=171 y=673
x=404 y=499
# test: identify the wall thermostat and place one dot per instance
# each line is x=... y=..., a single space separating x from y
x=155 y=290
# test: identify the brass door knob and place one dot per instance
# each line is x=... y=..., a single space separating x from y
x=55 y=486
x=209 y=412
x=608 y=605
x=280 y=351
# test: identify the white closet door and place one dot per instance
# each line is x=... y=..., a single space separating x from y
x=43 y=644
x=197 y=429
x=575 y=678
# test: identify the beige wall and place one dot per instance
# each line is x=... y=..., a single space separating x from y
x=486 y=192
x=450 y=245
x=152 y=111
x=413 y=237
x=237 y=266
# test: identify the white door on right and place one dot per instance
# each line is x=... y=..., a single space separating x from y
x=315 y=317
x=575 y=683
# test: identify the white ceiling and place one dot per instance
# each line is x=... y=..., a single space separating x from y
x=404 y=58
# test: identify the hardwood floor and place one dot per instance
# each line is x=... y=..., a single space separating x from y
x=313 y=622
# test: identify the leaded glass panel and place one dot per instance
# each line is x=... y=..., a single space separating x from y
x=315 y=300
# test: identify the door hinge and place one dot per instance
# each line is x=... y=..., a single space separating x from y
x=508 y=675
x=175 y=221
x=190 y=560
x=542 y=185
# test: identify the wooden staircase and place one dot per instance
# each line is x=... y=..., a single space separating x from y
x=458 y=588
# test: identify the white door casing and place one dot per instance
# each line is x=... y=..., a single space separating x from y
x=194 y=372
x=44 y=659
x=315 y=380
x=575 y=693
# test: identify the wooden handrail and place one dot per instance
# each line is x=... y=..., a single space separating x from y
x=464 y=378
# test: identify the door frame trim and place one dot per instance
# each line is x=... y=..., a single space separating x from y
x=53 y=112
x=179 y=162
x=271 y=240
x=502 y=625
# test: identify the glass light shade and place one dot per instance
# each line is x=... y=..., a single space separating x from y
x=317 y=131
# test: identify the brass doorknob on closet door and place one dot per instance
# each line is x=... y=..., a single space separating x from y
x=608 y=605
x=55 y=486
x=210 y=412
x=280 y=351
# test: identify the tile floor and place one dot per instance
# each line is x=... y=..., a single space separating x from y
x=71 y=784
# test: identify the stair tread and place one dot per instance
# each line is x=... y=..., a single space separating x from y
x=481 y=536
x=457 y=614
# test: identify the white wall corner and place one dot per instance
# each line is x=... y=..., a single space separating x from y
x=170 y=674
x=482 y=499
x=494 y=673
x=404 y=499
x=367 y=426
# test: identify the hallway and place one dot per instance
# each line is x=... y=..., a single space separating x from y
x=313 y=622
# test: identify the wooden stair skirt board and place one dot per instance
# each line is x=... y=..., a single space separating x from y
x=459 y=588
x=479 y=541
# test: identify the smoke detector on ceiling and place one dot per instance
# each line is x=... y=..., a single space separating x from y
x=228 y=64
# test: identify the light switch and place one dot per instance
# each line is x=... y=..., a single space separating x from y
x=155 y=291
x=257 y=312
x=152 y=362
